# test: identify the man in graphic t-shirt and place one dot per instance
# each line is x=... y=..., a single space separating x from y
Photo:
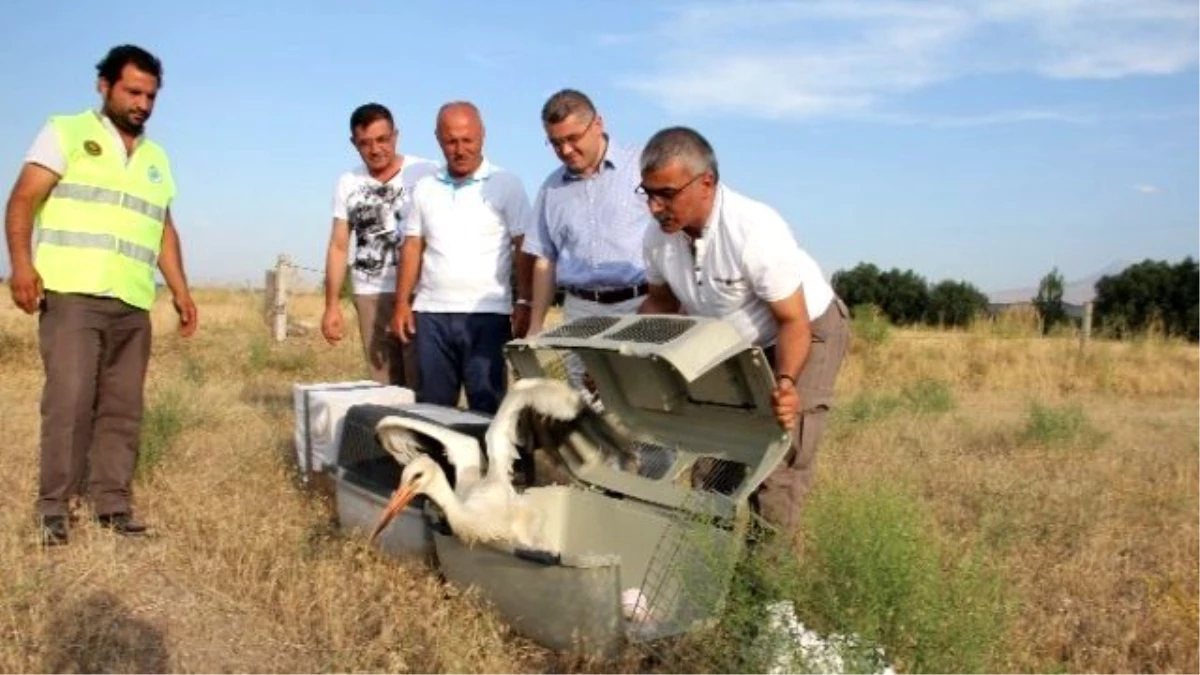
x=369 y=205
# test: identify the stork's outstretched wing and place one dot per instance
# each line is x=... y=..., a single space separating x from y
x=554 y=410
x=406 y=437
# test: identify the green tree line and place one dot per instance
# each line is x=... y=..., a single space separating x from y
x=906 y=298
x=1150 y=295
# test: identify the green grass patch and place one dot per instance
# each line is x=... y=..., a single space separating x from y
x=194 y=371
x=869 y=406
x=878 y=584
x=1049 y=425
x=924 y=397
x=16 y=349
x=280 y=359
x=870 y=325
x=876 y=566
x=928 y=396
x=162 y=422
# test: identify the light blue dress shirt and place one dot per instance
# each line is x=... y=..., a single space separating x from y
x=592 y=228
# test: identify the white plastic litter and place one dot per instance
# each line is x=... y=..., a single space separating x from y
x=635 y=605
x=798 y=649
x=320 y=410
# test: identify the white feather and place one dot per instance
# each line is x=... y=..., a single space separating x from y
x=401 y=434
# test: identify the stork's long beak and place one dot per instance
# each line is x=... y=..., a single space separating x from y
x=400 y=499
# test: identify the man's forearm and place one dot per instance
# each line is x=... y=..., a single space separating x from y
x=660 y=300
x=18 y=230
x=170 y=261
x=791 y=348
x=410 y=269
x=335 y=274
x=525 y=263
x=543 y=291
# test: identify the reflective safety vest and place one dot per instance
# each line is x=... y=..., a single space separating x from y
x=100 y=230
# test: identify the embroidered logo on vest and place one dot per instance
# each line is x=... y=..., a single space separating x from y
x=92 y=148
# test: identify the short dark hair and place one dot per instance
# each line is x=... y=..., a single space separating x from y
x=118 y=57
x=565 y=103
x=369 y=112
x=683 y=144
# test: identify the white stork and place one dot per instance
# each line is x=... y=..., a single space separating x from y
x=480 y=508
x=484 y=507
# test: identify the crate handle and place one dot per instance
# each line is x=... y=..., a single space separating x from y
x=541 y=557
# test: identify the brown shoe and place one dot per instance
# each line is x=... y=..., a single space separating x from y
x=121 y=523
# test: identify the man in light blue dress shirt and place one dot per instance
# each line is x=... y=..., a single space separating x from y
x=588 y=221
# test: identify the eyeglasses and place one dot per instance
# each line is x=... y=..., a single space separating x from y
x=573 y=139
x=668 y=194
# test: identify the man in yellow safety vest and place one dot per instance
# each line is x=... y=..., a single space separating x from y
x=99 y=192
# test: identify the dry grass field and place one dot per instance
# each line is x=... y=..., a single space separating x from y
x=1069 y=480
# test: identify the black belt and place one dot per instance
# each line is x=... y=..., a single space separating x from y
x=610 y=296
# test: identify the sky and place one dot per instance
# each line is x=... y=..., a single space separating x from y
x=978 y=140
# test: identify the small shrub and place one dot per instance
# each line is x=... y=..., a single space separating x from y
x=875 y=567
x=281 y=360
x=870 y=325
x=875 y=581
x=928 y=396
x=868 y=407
x=1056 y=425
x=17 y=349
x=194 y=371
x=162 y=422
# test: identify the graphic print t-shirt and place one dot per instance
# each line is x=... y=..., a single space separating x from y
x=375 y=212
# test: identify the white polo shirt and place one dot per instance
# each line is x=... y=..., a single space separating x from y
x=468 y=226
x=747 y=258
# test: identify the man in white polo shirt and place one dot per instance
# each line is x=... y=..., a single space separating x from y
x=718 y=253
x=466 y=223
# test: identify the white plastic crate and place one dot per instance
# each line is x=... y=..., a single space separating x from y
x=320 y=411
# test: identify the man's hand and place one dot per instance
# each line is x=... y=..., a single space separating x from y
x=588 y=382
x=404 y=326
x=26 y=288
x=520 y=319
x=189 y=318
x=333 y=327
x=785 y=400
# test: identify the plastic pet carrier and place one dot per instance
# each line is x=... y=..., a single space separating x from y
x=644 y=552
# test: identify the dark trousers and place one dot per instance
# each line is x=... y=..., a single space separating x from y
x=94 y=352
x=462 y=350
x=780 y=498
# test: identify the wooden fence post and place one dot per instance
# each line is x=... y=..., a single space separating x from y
x=1086 y=333
x=268 y=308
x=279 y=299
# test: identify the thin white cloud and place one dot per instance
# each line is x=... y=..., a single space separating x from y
x=991 y=119
x=1147 y=189
x=851 y=58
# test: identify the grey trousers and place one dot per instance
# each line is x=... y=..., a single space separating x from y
x=780 y=498
x=94 y=353
x=388 y=360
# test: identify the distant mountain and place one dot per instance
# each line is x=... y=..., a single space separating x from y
x=1074 y=292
